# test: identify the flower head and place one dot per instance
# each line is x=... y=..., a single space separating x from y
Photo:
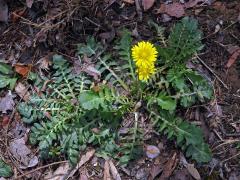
x=144 y=55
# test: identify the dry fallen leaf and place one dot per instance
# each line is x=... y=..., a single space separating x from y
x=5 y=120
x=7 y=103
x=83 y=174
x=29 y=3
x=21 y=152
x=233 y=58
x=152 y=151
x=232 y=48
x=106 y=175
x=17 y=14
x=92 y=71
x=219 y=6
x=190 y=167
x=193 y=3
x=59 y=173
x=155 y=170
x=23 y=69
x=114 y=171
x=45 y=62
x=19 y=130
x=193 y=171
x=129 y=1
x=177 y=9
x=85 y=158
x=169 y=167
x=108 y=36
x=22 y=91
x=174 y=9
x=217 y=110
x=147 y=4
x=3 y=11
x=86 y=67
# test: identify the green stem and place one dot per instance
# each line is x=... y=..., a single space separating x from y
x=123 y=84
x=131 y=67
x=59 y=93
x=135 y=130
x=68 y=85
x=177 y=96
x=170 y=124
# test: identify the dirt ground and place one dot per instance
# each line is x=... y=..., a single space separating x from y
x=56 y=26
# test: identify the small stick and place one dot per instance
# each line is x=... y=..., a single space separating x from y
x=236 y=155
x=218 y=78
x=226 y=142
x=91 y=21
x=139 y=10
x=39 y=168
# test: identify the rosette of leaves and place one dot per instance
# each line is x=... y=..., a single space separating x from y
x=7 y=76
x=73 y=113
x=175 y=85
x=64 y=115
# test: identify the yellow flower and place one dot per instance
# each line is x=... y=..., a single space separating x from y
x=144 y=55
x=144 y=73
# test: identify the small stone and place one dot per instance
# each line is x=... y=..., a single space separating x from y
x=152 y=151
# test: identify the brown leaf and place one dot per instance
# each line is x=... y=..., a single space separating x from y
x=22 y=91
x=114 y=171
x=129 y=1
x=92 y=71
x=3 y=11
x=190 y=167
x=45 y=62
x=18 y=129
x=23 y=69
x=21 y=152
x=155 y=171
x=193 y=171
x=83 y=174
x=7 y=103
x=59 y=173
x=169 y=167
x=5 y=120
x=219 y=6
x=29 y=3
x=181 y=174
x=16 y=15
x=233 y=58
x=108 y=36
x=174 y=9
x=152 y=151
x=192 y=3
x=218 y=109
x=86 y=67
x=106 y=175
x=232 y=48
x=85 y=158
x=147 y=4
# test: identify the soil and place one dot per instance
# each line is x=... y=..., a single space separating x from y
x=57 y=26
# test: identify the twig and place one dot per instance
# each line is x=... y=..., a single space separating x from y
x=139 y=10
x=85 y=158
x=39 y=168
x=228 y=141
x=213 y=33
x=91 y=21
x=7 y=129
x=236 y=155
x=229 y=134
x=218 y=78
